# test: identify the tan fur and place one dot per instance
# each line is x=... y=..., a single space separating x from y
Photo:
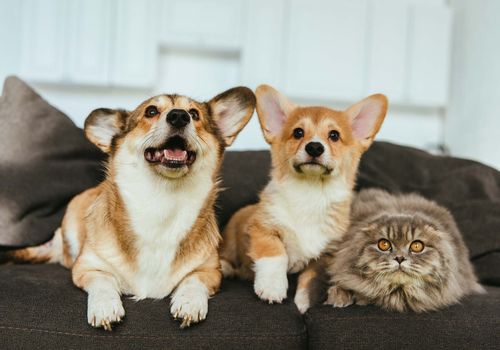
x=118 y=242
x=263 y=231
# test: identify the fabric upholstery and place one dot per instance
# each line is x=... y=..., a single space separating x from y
x=41 y=308
x=473 y=324
x=44 y=161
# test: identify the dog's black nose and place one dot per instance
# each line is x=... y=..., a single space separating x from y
x=178 y=118
x=400 y=259
x=315 y=149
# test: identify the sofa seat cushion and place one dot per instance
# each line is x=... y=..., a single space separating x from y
x=473 y=324
x=41 y=308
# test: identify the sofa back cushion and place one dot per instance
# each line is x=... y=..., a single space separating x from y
x=44 y=161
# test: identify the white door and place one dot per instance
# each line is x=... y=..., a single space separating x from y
x=44 y=40
x=89 y=41
x=430 y=55
x=10 y=38
x=326 y=49
x=388 y=48
x=134 y=55
x=263 y=43
x=202 y=23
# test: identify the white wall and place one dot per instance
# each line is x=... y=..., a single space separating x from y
x=473 y=120
x=306 y=48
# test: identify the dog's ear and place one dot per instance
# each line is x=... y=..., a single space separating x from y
x=366 y=117
x=273 y=109
x=232 y=110
x=103 y=124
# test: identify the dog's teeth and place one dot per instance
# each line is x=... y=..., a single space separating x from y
x=175 y=154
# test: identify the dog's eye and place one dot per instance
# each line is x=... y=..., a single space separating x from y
x=194 y=114
x=334 y=135
x=417 y=246
x=384 y=245
x=151 y=111
x=298 y=133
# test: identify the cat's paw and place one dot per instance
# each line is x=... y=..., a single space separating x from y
x=362 y=301
x=104 y=310
x=339 y=297
x=189 y=303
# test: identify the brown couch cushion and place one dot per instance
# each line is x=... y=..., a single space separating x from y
x=472 y=324
x=44 y=161
x=41 y=308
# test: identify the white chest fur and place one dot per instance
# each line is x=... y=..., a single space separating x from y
x=303 y=210
x=161 y=215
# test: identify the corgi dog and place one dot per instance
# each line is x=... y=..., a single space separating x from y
x=305 y=207
x=149 y=229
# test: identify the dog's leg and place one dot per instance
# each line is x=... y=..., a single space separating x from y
x=312 y=285
x=104 y=306
x=303 y=294
x=189 y=301
x=270 y=264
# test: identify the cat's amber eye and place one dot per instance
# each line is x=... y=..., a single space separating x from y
x=384 y=244
x=417 y=246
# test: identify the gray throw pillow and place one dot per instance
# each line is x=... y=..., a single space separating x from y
x=45 y=160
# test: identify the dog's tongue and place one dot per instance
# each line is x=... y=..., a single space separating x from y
x=176 y=154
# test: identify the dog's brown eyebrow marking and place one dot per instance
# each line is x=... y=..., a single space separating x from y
x=172 y=98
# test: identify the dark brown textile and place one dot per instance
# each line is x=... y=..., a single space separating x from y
x=40 y=308
x=44 y=161
x=473 y=324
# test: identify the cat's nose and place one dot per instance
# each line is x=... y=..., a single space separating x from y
x=400 y=259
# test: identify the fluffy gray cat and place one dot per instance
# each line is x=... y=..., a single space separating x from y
x=401 y=253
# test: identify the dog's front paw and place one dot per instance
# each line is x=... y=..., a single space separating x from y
x=271 y=282
x=189 y=303
x=272 y=290
x=339 y=297
x=103 y=310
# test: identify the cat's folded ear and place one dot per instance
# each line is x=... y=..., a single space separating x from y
x=366 y=118
x=103 y=124
x=273 y=109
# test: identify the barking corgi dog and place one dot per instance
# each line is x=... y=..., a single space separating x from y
x=149 y=229
x=306 y=205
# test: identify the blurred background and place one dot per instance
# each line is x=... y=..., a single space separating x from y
x=436 y=60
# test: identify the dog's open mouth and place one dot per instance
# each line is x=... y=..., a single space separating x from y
x=312 y=167
x=173 y=154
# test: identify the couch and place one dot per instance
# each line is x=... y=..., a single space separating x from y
x=41 y=308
